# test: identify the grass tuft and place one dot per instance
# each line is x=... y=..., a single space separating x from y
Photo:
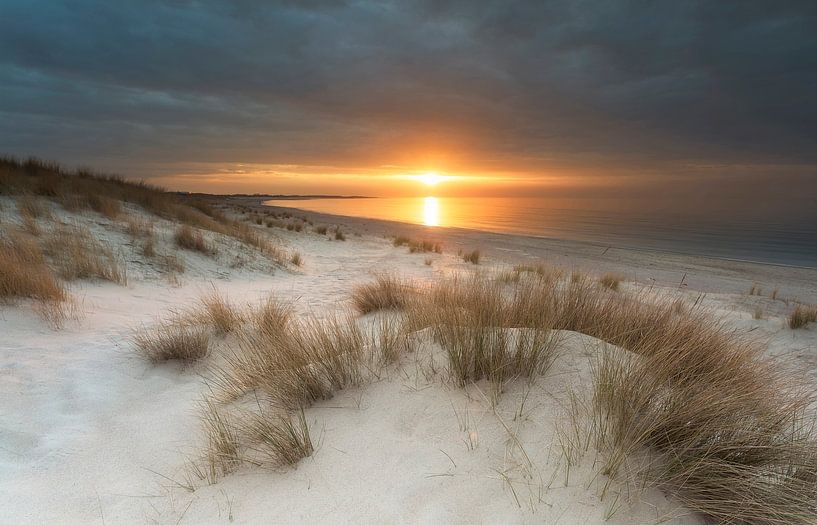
x=386 y=292
x=802 y=315
x=77 y=254
x=24 y=272
x=172 y=341
x=283 y=439
x=217 y=312
x=296 y=363
x=610 y=281
x=471 y=257
x=193 y=240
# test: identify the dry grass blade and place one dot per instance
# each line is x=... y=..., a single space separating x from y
x=389 y=338
x=223 y=452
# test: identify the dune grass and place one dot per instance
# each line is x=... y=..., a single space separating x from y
x=171 y=340
x=485 y=332
x=685 y=404
x=29 y=206
x=386 y=292
x=802 y=315
x=77 y=254
x=187 y=238
x=389 y=339
x=418 y=246
x=611 y=281
x=106 y=206
x=139 y=228
x=295 y=362
x=216 y=311
x=83 y=190
x=282 y=439
x=471 y=257
x=223 y=454
x=735 y=443
x=25 y=273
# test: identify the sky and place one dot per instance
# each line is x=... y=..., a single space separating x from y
x=694 y=101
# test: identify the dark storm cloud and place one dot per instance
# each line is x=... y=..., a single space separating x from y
x=511 y=85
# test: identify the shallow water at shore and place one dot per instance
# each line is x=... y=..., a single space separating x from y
x=746 y=236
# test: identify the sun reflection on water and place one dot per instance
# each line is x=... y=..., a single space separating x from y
x=431 y=211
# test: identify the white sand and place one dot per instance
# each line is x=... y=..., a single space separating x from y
x=91 y=433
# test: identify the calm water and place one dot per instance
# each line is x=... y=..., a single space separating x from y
x=731 y=235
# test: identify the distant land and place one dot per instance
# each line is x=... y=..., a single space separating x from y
x=278 y=197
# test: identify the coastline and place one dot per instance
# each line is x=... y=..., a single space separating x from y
x=404 y=417
x=651 y=266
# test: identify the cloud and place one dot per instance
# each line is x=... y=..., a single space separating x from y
x=529 y=88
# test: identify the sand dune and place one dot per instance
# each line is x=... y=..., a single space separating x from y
x=93 y=433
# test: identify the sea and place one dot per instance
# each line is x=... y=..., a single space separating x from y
x=783 y=239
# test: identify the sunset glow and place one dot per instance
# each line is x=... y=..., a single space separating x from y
x=430 y=179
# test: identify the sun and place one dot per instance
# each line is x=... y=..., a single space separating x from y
x=430 y=178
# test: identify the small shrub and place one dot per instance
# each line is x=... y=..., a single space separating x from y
x=428 y=261
x=339 y=236
x=321 y=230
x=296 y=259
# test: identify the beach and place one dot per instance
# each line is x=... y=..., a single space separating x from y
x=93 y=433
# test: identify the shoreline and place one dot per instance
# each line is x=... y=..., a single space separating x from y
x=653 y=266
x=529 y=235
